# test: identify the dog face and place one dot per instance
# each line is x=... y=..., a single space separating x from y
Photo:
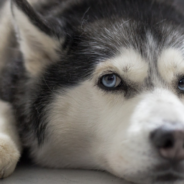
x=109 y=95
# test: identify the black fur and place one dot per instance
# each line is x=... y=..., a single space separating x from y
x=37 y=20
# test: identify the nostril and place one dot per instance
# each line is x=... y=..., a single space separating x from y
x=169 y=142
x=162 y=138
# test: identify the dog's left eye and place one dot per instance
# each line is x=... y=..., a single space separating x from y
x=181 y=84
x=110 y=81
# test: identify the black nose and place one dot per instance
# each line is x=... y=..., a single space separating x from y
x=169 y=142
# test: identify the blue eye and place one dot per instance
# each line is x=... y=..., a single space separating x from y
x=110 y=81
x=181 y=84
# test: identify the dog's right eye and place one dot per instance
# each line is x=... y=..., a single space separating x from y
x=110 y=81
x=181 y=84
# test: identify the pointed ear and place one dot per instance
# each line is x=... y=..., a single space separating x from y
x=38 y=42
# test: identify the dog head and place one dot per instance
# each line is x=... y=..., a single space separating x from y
x=105 y=88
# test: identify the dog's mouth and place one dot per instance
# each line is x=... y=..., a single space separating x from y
x=169 y=176
x=169 y=173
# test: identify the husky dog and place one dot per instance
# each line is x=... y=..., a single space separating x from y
x=93 y=84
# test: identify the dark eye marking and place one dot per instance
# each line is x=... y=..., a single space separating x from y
x=181 y=84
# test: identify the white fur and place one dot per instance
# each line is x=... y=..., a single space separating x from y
x=38 y=49
x=103 y=131
x=128 y=64
x=7 y=31
x=77 y=117
x=90 y=128
x=170 y=64
x=10 y=146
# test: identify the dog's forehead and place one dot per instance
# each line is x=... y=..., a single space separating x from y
x=128 y=64
x=106 y=32
x=149 y=40
x=152 y=52
x=112 y=34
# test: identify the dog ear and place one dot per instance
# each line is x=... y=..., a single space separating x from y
x=39 y=43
